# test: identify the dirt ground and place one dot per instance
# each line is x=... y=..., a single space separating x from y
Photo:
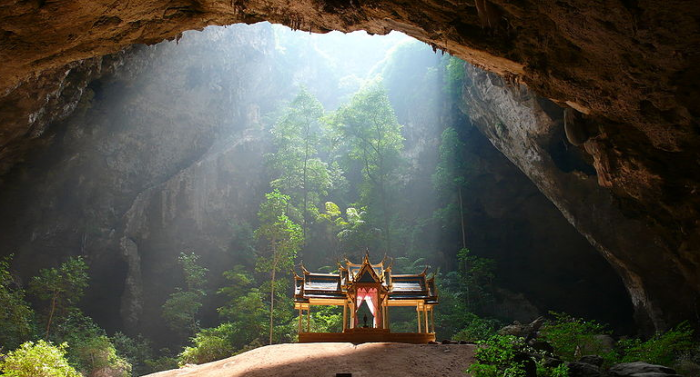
x=330 y=359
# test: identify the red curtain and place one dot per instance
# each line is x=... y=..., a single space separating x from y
x=369 y=295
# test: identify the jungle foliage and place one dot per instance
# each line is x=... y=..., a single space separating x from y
x=572 y=338
x=60 y=342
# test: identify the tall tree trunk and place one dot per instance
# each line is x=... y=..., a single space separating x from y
x=305 y=192
x=53 y=309
x=467 y=297
x=385 y=206
x=461 y=218
x=272 y=295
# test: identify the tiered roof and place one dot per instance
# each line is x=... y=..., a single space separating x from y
x=406 y=287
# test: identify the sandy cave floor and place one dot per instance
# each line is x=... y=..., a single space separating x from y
x=329 y=359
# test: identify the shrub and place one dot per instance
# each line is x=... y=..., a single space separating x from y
x=16 y=317
x=574 y=337
x=496 y=357
x=477 y=328
x=40 y=359
x=209 y=345
x=662 y=349
x=163 y=362
x=135 y=350
x=97 y=355
x=90 y=349
x=510 y=356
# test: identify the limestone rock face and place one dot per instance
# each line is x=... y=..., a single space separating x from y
x=51 y=96
x=629 y=62
x=112 y=183
x=652 y=258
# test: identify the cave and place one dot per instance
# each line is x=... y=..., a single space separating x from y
x=593 y=107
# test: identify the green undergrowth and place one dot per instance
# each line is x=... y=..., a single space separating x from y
x=571 y=338
x=40 y=359
x=510 y=356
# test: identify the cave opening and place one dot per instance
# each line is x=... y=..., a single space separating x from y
x=170 y=154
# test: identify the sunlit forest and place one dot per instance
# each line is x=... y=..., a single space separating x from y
x=317 y=149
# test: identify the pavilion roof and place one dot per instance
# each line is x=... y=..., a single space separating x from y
x=337 y=285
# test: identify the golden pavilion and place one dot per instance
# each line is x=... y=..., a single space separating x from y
x=375 y=286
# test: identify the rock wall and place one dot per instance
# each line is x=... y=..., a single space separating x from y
x=542 y=261
x=111 y=182
x=659 y=271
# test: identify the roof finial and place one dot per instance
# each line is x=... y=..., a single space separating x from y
x=384 y=259
x=425 y=270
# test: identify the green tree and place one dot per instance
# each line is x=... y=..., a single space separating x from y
x=281 y=239
x=180 y=310
x=454 y=75
x=16 y=316
x=476 y=279
x=372 y=134
x=450 y=176
x=245 y=309
x=351 y=233
x=63 y=287
x=40 y=359
x=302 y=173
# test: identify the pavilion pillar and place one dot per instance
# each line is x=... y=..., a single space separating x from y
x=388 y=323
x=425 y=319
x=379 y=315
x=300 y=320
x=345 y=315
x=308 y=319
x=384 y=316
x=419 y=319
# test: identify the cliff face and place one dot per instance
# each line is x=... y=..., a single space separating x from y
x=657 y=264
x=111 y=182
x=541 y=258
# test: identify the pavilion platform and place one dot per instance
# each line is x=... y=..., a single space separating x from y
x=366 y=335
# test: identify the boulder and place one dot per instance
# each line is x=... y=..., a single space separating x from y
x=640 y=369
x=541 y=345
x=687 y=367
x=525 y=331
x=592 y=359
x=580 y=369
